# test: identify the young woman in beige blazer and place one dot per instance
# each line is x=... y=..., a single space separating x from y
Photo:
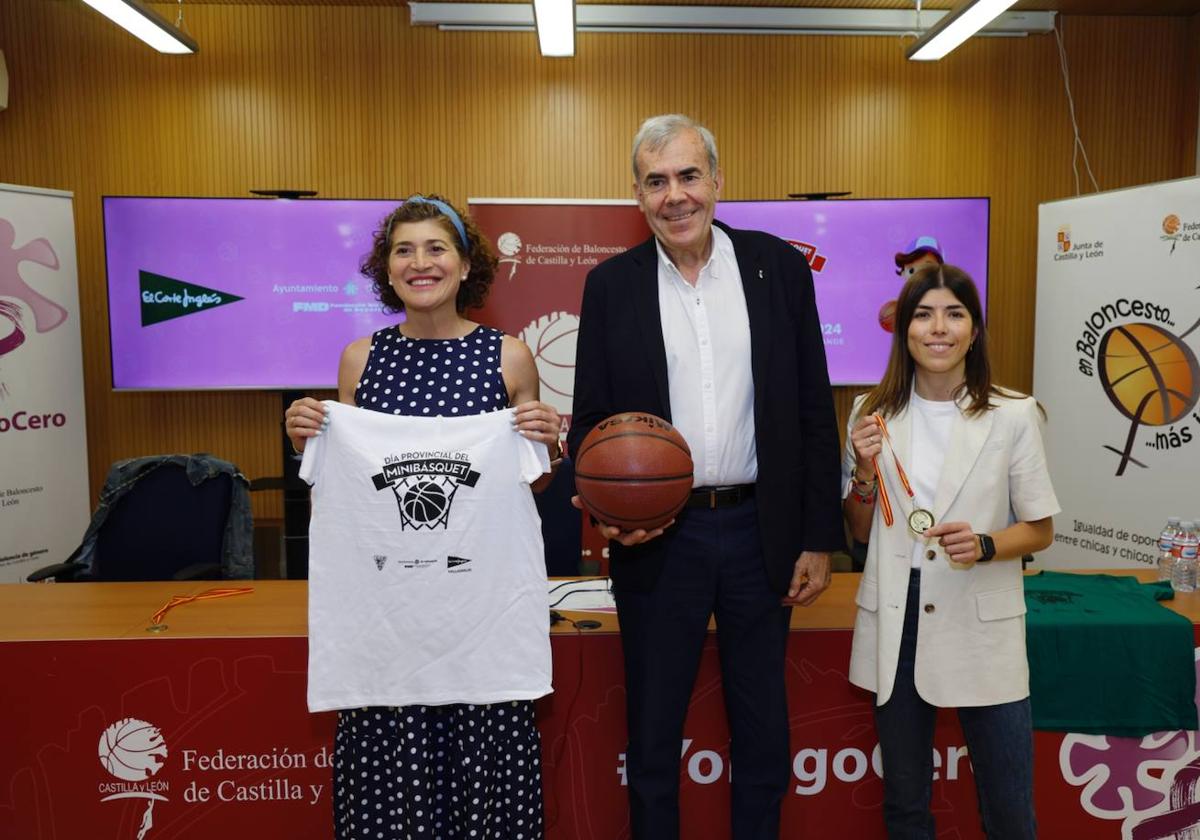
x=945 y=477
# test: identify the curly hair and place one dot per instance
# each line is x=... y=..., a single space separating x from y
x=477 y=251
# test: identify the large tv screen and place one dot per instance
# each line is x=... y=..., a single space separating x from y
x=264 y=293
x=851 y=246
x=237 y=293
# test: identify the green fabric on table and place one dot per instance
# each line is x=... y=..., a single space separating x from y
x=1105 y=658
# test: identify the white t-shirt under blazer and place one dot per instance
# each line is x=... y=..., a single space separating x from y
x=427 y=576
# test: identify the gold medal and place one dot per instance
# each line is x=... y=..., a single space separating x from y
x=920 y=520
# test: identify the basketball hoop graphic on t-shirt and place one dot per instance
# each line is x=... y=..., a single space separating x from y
x=425 y=484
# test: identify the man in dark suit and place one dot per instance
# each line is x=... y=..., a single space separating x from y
x=716 y=331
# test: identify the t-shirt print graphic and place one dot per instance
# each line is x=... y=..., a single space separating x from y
x=425 y=484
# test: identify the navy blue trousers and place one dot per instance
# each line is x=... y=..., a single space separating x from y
x=999 y=742
x=714 y=567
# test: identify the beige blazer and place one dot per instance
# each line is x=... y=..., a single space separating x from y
x=971 y=637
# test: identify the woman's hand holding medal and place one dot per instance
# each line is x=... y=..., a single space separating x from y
x=867 y=440
x=868 y=437
x=958 y=541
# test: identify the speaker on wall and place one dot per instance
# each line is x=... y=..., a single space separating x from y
x=3 y=82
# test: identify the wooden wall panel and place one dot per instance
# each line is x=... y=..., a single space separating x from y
x=353 y=102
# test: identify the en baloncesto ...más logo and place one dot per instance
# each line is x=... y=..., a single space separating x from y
x=1148 y=372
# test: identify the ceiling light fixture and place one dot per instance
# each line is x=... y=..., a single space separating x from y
x=963 y=21
x=711 y=20
x=140 y=20
x=555 y=20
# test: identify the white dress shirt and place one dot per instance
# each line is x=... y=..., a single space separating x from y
x=706 y=330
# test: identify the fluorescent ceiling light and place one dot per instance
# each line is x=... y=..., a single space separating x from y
x=716 y=20
x=555 y=21
x=960 y=24
x=142 y=21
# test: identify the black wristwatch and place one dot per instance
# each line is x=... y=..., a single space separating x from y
x=987 y=546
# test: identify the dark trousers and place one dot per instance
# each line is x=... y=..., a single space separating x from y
x=714 y=566
x=999 y=742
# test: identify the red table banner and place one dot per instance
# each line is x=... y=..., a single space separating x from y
x=190 y=739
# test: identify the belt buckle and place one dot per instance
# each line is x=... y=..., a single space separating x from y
x=712 y=499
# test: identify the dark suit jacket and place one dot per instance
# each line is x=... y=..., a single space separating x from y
x=621 y=365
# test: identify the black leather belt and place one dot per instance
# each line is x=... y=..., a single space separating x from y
x=718 y=497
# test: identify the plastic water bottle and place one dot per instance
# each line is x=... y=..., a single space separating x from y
x=1166 y=548
x=1183 y=577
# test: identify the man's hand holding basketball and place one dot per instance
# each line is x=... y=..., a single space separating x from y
x=626 y=538
x=810 y=577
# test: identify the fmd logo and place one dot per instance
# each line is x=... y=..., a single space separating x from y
x=165 y=298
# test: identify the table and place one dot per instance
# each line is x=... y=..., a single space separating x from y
x=225 y=686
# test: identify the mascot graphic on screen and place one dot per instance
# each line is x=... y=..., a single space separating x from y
x=46 y=313
x=922 y=251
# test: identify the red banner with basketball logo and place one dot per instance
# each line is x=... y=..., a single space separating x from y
x=546 y=248
x=174 y=739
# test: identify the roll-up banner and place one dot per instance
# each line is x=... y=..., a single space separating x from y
x=44 y=502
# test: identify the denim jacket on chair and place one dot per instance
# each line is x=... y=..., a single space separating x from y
x=237 y=560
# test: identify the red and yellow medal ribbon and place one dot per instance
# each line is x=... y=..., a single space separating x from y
x=885 y=503
x=208 y=594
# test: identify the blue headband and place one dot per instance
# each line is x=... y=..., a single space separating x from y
x=446 y=211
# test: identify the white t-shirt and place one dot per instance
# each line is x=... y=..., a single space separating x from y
x=427 y=575
x=931 y=425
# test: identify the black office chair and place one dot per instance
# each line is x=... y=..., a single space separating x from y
x=163 y=527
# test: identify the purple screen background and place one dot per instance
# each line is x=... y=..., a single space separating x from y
x=859 y=240
x=270 y=339
x=276 y=339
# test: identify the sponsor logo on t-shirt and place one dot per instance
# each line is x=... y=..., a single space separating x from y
x=1054 y=597
x=416 y=564
x=458 y=564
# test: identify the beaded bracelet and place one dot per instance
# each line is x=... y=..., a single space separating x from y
x=865 y=482
x=866 y=497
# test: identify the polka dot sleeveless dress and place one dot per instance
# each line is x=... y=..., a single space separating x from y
x=438 y=772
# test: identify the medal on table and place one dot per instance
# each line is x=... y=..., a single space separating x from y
x=920 y=520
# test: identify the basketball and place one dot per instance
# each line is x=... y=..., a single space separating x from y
x=887 y=316
x=132 y=749
x=425 y=502
x=1149 y=375
x=633 y=471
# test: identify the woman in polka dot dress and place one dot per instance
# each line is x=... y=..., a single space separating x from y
x=443 y=771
